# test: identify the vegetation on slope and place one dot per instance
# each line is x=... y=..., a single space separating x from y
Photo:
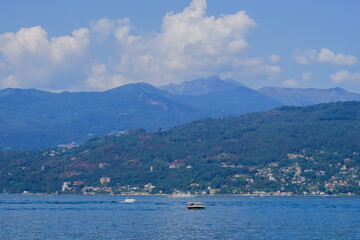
x=301 y=150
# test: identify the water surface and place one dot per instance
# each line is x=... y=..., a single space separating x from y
x=162 y=217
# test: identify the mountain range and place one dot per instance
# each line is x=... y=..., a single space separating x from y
x=202 y=86
x=33 y=119
x=301 y=150
x=303 y=97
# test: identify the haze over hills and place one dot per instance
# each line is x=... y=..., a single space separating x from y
x=225 y=96
x=237 y=100
x=309 y=149
x=302 y=97
x=202 y=86
x=284 y=96
x=39 y=119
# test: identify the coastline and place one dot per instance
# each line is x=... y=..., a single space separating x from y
x=171 y=195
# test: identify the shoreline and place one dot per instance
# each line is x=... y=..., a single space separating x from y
x=171 y=195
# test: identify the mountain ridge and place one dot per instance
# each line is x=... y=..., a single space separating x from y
x=201 y=86
x=27 y=120
x=35 y=119
x=308 y=96
x=40 y=119
x=294 y=150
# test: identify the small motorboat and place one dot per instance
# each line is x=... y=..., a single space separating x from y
x=129 y=200
x=195 y=206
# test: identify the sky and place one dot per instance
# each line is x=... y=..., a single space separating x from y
x=92 y=45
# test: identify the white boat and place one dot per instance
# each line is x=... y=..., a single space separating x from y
x=129 y=200
x=195 y=206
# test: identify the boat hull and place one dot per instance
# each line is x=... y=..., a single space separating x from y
x=195 y=207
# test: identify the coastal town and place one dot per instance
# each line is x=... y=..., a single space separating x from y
x=299 y=175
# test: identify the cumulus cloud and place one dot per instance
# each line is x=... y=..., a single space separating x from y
x=102 y=28
x=306 y=77
x=274 y=58
x=324 y=56
x=342 y=76
x=9 y=82
x=293 y=82
x=328 y=56
x=190 y=44
x=290 y=83
x=305 y=57
x=33 y=43
x=101 y=79
x=193 y=34
x=34 y=58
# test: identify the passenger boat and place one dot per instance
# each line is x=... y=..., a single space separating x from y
x=195 y=206
x=129 y=200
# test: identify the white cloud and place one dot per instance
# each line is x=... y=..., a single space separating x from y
x=98 y=77
x=192 y=33
x=328 y=56
x=340 y=76
x=122 y=32
x=65 y=46
x=305 y=57
x=290 y=83
x=324 y=56
x=9 y=82
x=306 y=77
x=189 y=45
x=30 y=43
x=34 y=59
x=101 y=79
x=274 y=58
x=343 y=76
x=102 y=28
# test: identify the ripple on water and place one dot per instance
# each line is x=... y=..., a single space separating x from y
x=160 y=217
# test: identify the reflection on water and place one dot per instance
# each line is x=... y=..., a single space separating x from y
x=161 y=217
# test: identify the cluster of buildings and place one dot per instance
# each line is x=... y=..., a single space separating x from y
x=300 y=175
x=79 y=187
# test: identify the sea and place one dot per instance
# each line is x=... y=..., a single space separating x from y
x=164 y=217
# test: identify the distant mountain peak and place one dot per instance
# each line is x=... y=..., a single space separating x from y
x=136 y=87
x=339 y=89
x=202 y=86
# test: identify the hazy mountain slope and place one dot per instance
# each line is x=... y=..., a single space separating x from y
x=313 y=145
x=302 y=97
x=235 y=101
x=37 y=119
x=224 y=96
x=202 y=86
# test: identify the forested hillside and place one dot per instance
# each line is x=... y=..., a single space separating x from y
x=302 y=150
x=33 y=119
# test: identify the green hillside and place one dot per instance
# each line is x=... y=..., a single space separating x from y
x=33 y=119
x=300 y=150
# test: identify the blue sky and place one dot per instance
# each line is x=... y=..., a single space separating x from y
x=96 y=45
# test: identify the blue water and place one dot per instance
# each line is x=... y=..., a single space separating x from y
x=161 y=217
